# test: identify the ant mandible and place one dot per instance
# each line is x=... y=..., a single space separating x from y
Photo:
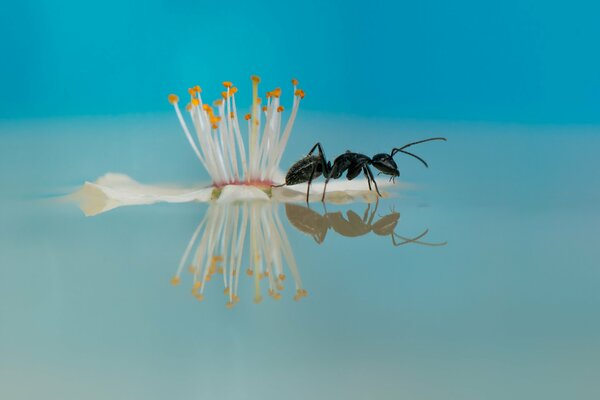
x=313 y=166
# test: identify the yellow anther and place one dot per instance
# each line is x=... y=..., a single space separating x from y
x=194 y=292
x=260 y=276
x=297 y=297
x=200 y=297
x=227 y=84
x=197 y=89
x=218 y=102
x=229 y=304
x=281 y=277
x=217 y=258
x=175 y=281
x=280 y=109
x=224 y=95
x=264 y=108
x=294 y=81
x=233 y=90
x=271 y=292
x=303 y=292
x=173 y=98
x=269 y=95
x=207 y=278
x=247 y=117
x=192 y=92
x=188 y=107
x=279 y=287
x=197 y=284
x=215 y=126
x=195 y=102
x=276 y=92
x=231 y=115
x=206 y=107
x=249 y=272
x=267 y=273
x=235 y=298
x=226 y=291
x=299 y=93
x=258 y=299
x=255 y=79
x=277 y=296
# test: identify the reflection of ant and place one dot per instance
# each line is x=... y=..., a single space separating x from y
x=312 y=223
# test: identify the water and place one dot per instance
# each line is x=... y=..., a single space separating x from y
x=505 y=306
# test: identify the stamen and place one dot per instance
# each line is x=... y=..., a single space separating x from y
x=219 y=140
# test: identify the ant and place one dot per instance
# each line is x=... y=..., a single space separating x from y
x=312 y=166
x=311 y=222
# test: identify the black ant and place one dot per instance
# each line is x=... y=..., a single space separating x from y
x=316 y=225
x=312 y=166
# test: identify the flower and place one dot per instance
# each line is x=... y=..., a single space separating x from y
x=218 y=141
x=227 y=229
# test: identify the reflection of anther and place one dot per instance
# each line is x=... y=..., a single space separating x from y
x=227 y=229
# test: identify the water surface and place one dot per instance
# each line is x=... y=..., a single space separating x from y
x=506 y=309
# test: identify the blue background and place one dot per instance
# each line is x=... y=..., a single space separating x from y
x=508 y=309
x=525 y=61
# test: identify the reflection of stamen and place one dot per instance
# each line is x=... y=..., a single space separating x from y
x=220 y=250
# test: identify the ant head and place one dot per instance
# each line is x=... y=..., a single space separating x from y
x=385 y=164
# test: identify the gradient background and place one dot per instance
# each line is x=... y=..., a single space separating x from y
x=526 y=61
x=507 y=310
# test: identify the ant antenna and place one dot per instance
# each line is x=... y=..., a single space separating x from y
x=401 y=149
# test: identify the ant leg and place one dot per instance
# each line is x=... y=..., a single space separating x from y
x=367 y=176
x=370 y=173
x=324 y=190
x=312 y=173
x=317 y=145
x=324 y=168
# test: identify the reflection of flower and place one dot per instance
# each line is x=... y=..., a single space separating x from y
x=227 y=229
x=219 y=142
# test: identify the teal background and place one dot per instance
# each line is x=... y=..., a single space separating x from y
x=508 y=309
x=527 y=61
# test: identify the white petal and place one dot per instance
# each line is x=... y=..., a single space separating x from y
x=116 y=190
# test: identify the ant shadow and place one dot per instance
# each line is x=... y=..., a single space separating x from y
x=317 y=225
